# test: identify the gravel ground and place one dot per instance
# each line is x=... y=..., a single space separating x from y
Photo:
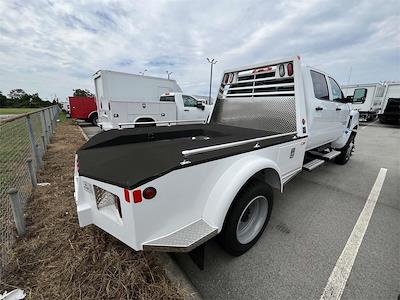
x=59 y=260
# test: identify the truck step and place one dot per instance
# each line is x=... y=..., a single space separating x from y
x=183 y=240
x=311 y=165
x=326 y=156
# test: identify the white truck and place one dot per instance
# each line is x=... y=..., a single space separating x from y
x=390 y=110
x=128 y=98
x=174 y=188
x=367 y=98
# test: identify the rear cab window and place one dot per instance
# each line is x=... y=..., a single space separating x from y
x=167 y=98
x=359 y=95
x=336 y=92
x=320 y=85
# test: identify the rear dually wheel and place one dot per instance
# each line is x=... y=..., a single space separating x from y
x=247 y=218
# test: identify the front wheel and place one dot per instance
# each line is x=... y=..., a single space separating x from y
x=94 y=120
x=247 y=218
x=346 y=151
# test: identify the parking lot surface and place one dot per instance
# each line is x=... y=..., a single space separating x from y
x=310 y=225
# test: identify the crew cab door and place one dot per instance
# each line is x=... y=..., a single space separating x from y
x=324 y=125
x=342 y=109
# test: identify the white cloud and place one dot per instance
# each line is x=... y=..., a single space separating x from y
x=53 y=47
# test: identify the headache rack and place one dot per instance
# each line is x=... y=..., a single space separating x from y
x=264 y=81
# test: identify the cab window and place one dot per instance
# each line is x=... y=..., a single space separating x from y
x=320 y=85
x=335 y=90
x=167 y=98
x=189 y=101
x=359 y=95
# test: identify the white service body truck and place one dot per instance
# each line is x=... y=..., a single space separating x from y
x=367 y=98
x=128 y=98
x=390 y=110
x=174 y=188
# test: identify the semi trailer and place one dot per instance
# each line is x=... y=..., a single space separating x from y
x=174 y=188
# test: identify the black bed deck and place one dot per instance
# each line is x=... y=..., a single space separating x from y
x=134 y=156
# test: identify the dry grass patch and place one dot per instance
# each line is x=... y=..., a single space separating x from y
x=59 y=260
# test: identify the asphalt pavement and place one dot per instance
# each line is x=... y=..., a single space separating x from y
x=310 y=226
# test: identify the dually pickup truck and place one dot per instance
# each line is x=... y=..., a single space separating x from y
x=173 y=188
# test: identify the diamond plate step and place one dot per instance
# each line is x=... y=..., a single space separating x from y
x=326 y=156
x=313 y=164
x=183 y=240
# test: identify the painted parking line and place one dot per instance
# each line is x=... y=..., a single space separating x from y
x=337 y=281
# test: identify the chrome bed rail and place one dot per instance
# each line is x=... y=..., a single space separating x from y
x=170 y=123
x=187 y=153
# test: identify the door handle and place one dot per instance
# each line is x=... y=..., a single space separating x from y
x=185 y=110
x=318 y=108
x=338 y=108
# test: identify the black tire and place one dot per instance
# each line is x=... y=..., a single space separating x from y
x=94 y=119
x=346 y=151
x=228 y=237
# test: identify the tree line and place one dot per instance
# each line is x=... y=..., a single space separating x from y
x=19 y=98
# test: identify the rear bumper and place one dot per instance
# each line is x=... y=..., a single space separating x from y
x=133 y=224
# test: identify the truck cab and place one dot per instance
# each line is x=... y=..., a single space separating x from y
x=187 y=107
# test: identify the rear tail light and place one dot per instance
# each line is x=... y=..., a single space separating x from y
x=290 y=69
x=281 y=70
x=149 y=193
x=137 y=196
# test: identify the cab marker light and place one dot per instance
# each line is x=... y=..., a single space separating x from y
x=290 y=69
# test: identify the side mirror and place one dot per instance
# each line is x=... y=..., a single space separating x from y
x=348 y=99
x=200 y=105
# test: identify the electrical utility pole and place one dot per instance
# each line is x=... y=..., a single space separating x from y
x=168 y=73
x=212 y=63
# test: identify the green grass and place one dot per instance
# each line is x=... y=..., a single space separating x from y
x=15 y=111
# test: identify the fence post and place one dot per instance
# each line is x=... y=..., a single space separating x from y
x=32 y=139
x=32 y=173
x=39 y=150
x=16 y=208
x=50 y=125
x=44 y=126
x=43 y=144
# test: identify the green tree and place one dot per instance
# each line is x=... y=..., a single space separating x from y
x=83 y=93
x=3 y=100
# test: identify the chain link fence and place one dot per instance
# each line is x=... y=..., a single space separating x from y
x=23 y=142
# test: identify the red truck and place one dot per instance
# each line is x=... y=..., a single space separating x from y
x=84 y=108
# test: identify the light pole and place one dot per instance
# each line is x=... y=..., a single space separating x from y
x=168 y=73
x=212 y=62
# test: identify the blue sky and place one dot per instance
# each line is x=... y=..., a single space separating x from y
x=52 y=47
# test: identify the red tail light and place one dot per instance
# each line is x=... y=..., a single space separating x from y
x=290 y=69
x=149 y=193
x=127 y=197
x=137 y=196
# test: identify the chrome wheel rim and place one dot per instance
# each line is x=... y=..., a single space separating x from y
x=252 y=219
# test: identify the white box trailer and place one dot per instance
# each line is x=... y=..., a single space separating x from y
x=390 y=110
x=367 y=98
x=115 y=88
